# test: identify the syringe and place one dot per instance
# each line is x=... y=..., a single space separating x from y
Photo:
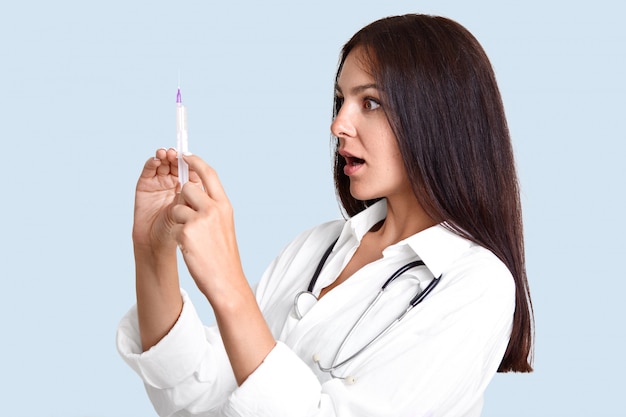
x=181 y=139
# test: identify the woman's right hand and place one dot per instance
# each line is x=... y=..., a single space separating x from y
x=154 y=196
x=159 y=302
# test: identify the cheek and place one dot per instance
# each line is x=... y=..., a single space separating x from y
x=396 y=172
x=396 y=167
x=392 y=154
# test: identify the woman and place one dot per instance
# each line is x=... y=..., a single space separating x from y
x=424 y=170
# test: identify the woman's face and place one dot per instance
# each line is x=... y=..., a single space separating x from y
x=373 y=160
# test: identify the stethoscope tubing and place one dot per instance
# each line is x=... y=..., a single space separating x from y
x=320 y=265
x=414 y=302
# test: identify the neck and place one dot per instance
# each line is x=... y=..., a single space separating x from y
x=405 y=217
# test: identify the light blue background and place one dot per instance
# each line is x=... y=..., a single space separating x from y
x=87 y=94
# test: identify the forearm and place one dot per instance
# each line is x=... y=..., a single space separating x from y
x=159 y=302
x=245 y=333
x=206 y=236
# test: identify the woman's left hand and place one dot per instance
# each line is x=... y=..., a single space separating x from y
x=207 y=237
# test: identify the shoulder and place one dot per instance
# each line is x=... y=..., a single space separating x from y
x=479 y=274
x=478 y=261
x=458 y=260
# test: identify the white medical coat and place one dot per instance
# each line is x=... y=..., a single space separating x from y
x=436 y=362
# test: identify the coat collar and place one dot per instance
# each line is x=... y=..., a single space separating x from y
x=438 y=246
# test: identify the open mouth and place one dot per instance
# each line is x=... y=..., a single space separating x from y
x=353 y=161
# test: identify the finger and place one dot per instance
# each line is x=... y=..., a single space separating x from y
x=172 y=157
x=164 y=156
x=152 y=164
x=194 y=177
x=208 y=176
x=150 y=168
x=181 y=213
x=160 y=153
x=194 y=196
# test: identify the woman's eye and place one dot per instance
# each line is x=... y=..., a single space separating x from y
x=371 y=104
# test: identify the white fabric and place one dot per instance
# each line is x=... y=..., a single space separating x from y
x=436 y=362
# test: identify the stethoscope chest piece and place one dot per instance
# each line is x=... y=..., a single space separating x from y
x=303 y=303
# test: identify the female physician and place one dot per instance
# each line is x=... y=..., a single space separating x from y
x=424 y=170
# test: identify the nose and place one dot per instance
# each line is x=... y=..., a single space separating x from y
x=343 y=125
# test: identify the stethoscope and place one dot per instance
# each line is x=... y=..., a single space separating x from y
x=306 y=299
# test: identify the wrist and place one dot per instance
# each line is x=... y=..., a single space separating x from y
x=229 y=293
x=156 y=262
x=150 y=240
x=148 y=250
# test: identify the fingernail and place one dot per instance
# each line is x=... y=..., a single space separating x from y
x=187 y=153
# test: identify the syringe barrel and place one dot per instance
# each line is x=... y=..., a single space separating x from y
x=181 y=117
x=181 y=139
x=181 y=128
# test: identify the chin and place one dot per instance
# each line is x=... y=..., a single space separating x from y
x=363 y=195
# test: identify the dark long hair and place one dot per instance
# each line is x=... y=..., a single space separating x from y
x=440 y=95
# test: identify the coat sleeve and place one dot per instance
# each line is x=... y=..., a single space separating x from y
x=187 y=370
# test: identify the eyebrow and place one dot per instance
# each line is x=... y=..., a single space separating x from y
x=357 y=89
